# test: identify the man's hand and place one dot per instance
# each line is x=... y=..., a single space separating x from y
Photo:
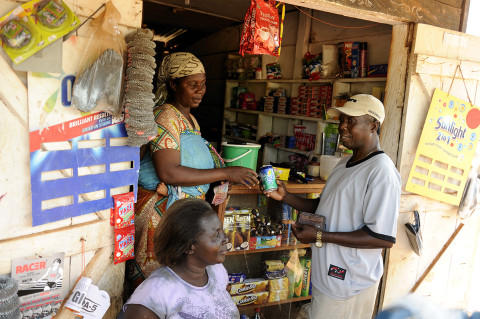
x=306 y=234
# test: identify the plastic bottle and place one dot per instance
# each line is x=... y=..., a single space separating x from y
x=258 y=74
x=363 y=66
x=243 y=316
x=257 y=314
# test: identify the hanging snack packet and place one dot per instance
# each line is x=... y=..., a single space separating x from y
x=123 y=212
x=261 y=31
x=221 y=193
x=98 y=85
x=124 y=243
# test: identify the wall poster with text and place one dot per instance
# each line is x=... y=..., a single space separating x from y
x=78 y=160
x=446 y=149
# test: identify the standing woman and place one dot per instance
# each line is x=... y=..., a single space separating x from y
x=178 y=162
x=191 y=283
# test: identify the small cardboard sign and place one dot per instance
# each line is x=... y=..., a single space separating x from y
x=87 y=300
x=446 y=149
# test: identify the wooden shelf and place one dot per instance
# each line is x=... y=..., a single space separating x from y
x=298 y=117
x=353 y=80
x=241 y=139
x=349 y=80
x=292 y=150
x=254 y=251
x=275 y=303
x=315 y=186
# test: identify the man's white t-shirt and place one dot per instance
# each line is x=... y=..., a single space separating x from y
x=169 y=296
x=365 y=195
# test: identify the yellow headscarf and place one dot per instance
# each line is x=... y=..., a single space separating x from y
x=175 y=65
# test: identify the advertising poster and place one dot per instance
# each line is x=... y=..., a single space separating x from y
x=446 y=149
x=40 y=282
x=78 y=160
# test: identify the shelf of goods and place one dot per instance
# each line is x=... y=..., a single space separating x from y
x=275 y=303
x=314 y=186
x=276 y=123
x=264 y=250
x=249 y=261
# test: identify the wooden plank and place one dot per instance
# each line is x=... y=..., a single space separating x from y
x=417 y=103
x=76 y=266
x=94 y=270
x=338 y=28
x=453 y=3
x=405 y=267
x=409 y=201
x=434 y=41
x=130 y=11
x=439 y=66
x=395 y=90
x=303 y=35
x=97 y=233
x=464 y=16
x=390 y=12
x=14 y=153
x=112 y=283
x=462 y=282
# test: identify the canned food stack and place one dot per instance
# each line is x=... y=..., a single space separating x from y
x=247 y=101
x=139 y=103
x=269 y=104
x=312 y=100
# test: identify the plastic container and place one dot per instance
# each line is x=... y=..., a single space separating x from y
x=313 y=169
x=245 y=155
x=327 y=164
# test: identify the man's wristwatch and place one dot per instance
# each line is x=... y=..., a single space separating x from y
x=318 y=240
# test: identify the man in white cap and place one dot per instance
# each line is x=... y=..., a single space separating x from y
x=360 y=201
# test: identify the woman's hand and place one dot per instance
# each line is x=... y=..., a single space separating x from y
x=279 y=194
x=241 y=175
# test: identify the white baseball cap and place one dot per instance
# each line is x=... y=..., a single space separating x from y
x=360 y=104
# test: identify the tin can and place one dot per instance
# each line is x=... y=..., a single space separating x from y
x=267 y=175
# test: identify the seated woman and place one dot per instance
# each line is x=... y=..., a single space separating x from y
x=179 y=163
x=191 y=283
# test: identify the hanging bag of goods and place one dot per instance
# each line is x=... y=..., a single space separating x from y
x=98 y=86
x=262 y=32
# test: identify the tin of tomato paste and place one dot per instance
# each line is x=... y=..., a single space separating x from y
x=267 y=175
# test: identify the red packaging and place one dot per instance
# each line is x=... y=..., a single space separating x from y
x=124 y=243
x=123 y=210
x=261 y=31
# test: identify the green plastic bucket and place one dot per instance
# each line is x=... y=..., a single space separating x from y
x=241 y=155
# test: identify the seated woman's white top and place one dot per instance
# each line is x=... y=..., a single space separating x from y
x=169 y=296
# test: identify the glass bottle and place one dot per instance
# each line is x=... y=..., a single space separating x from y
x=257 y=314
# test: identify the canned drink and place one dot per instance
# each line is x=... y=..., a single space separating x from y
x=267 y=175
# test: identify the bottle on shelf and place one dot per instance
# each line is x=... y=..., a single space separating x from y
x=258 y=315
x=243 y=316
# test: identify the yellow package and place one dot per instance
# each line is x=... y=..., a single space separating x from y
x=278 y=295
x=251 y=299
x=249 y=286
x=229 y=229
x=282 y=173
x=278 y=284
x=272 y=265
